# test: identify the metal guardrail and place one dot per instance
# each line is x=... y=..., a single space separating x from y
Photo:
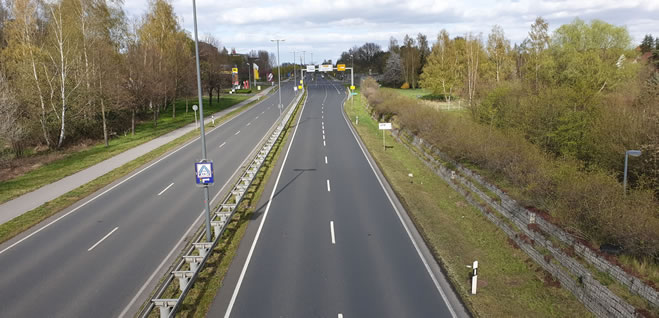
x=219 y=221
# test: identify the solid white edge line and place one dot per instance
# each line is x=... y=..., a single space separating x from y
x=409 y=234
x=101 y=240
x=163 y=191
x=328 y=186
x=116 y=185
x=148 y=281
x=332 y=231
x=189 y=230
x=265 y=215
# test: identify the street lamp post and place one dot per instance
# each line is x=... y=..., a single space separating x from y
x=278 y=71
x=201 y=120
x=294 y=74
x=633 y=153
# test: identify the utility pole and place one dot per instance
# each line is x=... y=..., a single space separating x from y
x=304 y=57
x=201 y=119
x=278 y=71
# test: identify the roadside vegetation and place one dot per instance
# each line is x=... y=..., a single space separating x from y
x=76 y=74
x=27 y=220
x=548 y=120
x=510 y=283
x=25 y=174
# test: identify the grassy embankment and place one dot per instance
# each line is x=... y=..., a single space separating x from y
x=79 y=160
x=200 y=297
x=31 y=218
x=511 y=284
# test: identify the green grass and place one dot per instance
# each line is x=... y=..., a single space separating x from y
x=458 y=234
x=33 y=217
x=413 y=93
x=76 y=161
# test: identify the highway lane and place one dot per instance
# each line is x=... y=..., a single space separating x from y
x=94 y=260
x=331 y=242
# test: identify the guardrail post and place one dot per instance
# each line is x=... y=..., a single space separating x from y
x=203 y=247
x=194 y=261
x=165 y=306
x=183 y=278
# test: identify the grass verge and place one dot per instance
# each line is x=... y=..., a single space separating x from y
x=25 y=221
x=77 y=161
x=210 y=279
x=510 y=283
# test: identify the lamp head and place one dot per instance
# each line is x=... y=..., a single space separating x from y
x=634 y=153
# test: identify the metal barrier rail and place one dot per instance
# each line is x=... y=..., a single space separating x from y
x=219 y=221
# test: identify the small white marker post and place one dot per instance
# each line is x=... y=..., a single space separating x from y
x=195 y=107
x=213 y=119
x=357 y=120
x=474 y=278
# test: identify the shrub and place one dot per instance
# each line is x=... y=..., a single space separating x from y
x=590 y=204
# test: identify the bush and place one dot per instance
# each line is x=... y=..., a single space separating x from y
x=590 y=204
x=243 y=91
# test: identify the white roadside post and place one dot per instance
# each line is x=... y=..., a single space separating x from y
x=474 y=278
x=194 y=107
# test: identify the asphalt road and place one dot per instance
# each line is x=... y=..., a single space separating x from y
x=100 y=255
x=331 y=243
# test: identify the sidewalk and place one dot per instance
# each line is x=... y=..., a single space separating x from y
x=36 y=198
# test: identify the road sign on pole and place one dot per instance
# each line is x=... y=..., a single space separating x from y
x=383 y=127
x=341 y=67
x=326 y=68
x=204 y=172
x=311 y=68
x=352 y=87
x=270 y=77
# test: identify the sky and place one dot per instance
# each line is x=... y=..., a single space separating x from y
x=327 y=28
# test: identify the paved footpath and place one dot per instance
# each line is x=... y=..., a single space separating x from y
x=36 y=198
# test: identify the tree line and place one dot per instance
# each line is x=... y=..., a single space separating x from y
x=79 y=69
x=584 y=91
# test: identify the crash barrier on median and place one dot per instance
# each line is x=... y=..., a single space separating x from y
x=549 y=246
x=219 y=221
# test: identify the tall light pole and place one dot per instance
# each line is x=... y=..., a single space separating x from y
x=201 y=120
x=294 y=74
x=311 y=58
x=278 y=71
x=304 y=57
x=633 y=153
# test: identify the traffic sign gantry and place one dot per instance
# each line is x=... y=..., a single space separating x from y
x=341 y=67
x=325 y=68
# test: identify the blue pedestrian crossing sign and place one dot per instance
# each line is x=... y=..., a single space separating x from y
x=204 y=172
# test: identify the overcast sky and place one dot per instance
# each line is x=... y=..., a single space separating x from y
x=326 y=28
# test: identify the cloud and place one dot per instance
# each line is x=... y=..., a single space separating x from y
x=329 y=27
